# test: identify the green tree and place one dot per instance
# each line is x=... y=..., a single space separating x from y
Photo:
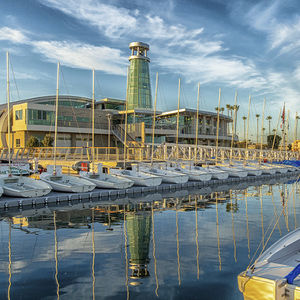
x=33 y=141
x=47 y=141
x=270 y=139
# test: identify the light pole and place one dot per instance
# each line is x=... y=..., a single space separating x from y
x=244 y=118
x=108 y=140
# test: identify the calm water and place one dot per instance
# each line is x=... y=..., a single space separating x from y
x=176 y=247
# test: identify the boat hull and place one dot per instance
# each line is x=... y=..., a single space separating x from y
x=106 y=181
x=66 y=183
x=139 y=178
x=23 y=187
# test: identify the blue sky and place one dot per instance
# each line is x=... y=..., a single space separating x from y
x=248 y=46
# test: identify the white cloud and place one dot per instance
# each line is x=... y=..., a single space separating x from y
x=109 y=19
x=12 y=35
x=84 y=56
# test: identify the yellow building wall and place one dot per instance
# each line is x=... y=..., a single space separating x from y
x=19 y=125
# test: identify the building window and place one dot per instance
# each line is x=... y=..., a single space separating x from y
x=18 y=143
x=19 y=114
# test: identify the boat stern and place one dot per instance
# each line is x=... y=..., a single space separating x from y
x=254 y=287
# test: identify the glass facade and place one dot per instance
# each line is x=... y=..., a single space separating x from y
x=139 y=88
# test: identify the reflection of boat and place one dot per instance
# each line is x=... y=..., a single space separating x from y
x=274 y=274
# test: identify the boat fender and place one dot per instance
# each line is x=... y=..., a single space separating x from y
x=293 y=274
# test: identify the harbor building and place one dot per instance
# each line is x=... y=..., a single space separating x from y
x=36 y=117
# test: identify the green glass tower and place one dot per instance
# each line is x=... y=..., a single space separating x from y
x=139 y=87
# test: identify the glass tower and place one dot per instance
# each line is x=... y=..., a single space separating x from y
x=139 y=88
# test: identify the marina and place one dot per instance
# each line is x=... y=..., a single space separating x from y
x=144 y=244
x=178 y=192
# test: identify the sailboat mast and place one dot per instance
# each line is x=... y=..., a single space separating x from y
x=248 y=117
x=125 y=129
x=154 y=115
x=275 y=134
x=56 y=118
x=177 y=128
x=262 y=126
x=218 y=125
x=197 y=123
x=93 y=123
x=233 y=131
x=8 y=112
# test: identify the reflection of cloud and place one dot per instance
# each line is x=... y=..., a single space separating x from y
x=105 y=242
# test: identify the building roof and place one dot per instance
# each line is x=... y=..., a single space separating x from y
x=40 y=100
x=193 y=111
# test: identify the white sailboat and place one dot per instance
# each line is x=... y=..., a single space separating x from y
x=19 y=186
x=167 y=175
x=193 y=174
x=106 y=181
x=233 y=171
x=53 y=176
x=139 y=178
x=100 y=179
x=216 y=173
x=275 y=273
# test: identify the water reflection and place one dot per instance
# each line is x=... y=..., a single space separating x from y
x=151 y=248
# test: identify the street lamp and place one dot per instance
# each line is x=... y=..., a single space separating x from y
x=108 y=140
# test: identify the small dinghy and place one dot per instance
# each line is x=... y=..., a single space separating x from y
x=106 y=181
x=252 y=170
x=216 y=173
x=195 y=175
x=138 y=177
x=167 y=176
x=25 y=187
x=275 y=274
x=234 y=171
x=65 y=183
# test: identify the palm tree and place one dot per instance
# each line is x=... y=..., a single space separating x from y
x=228 y=107
x=257 y=117
x=244 y=118
x=269 y=118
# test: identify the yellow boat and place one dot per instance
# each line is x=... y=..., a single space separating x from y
x=275 y=274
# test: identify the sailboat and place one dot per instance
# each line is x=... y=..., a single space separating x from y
x=53 y=176
x=100 y=179
x=19 y=186
x=139 y=178
x=274 y=274
x=167 y=176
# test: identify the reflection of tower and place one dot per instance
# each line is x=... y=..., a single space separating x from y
x=138 y=230
x=139 y=88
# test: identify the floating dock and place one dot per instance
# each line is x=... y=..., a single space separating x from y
x=54 y=198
